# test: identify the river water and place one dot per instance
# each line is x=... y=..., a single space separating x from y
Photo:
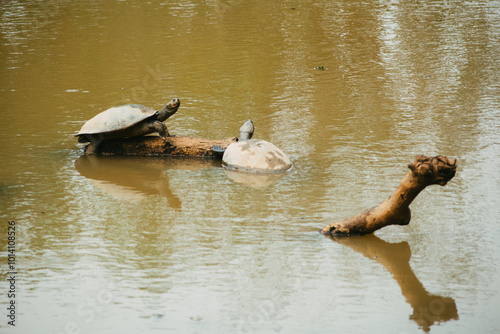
x=351 y=91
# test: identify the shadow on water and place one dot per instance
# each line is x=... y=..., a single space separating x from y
x=428 y=309
x=135 y=178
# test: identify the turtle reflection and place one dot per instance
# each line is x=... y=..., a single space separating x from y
x=135 y=178
x=428 y=309
x=254 y=180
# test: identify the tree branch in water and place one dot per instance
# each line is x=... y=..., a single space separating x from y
x=154 y=146
x=424 y=171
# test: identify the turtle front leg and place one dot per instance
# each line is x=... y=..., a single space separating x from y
x=162 y=130
x=95 y=141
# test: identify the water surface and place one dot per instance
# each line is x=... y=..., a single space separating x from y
x=352 y=92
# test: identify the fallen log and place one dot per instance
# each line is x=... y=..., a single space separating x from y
x=154 y=146
x=424 y=171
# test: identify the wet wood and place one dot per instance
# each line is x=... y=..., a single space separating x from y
x=154 y=146
x=424 y=171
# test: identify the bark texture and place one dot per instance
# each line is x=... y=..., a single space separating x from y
x=424 y=171
x=153 y=146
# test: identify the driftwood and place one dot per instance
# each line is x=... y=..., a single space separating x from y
x=424 y=171
x=154 y=146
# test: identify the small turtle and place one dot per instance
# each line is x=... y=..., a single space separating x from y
x=246 y=133
x=253 y=155
x=127 y=121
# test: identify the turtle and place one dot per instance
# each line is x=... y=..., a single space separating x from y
x=127 y=121
x=253 y=155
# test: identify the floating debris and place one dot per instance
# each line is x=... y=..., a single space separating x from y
x=320 y=68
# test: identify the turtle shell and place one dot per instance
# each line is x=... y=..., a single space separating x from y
x=116 y=118
x=255 y=155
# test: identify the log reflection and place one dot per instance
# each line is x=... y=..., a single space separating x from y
x=135 y=178
x=428 y=309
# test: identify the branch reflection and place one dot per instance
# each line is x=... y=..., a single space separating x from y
x=428 y=309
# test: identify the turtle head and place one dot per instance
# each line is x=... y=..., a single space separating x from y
x=169 y=109
x=246 y=130
x=175 y=103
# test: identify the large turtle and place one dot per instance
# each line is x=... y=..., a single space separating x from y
x=127 y=121
x=253 y=155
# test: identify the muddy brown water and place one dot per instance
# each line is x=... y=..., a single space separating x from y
x=351 y=91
